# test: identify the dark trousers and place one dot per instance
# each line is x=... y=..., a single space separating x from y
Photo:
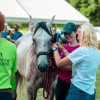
x=61 y=90
x=6 y=96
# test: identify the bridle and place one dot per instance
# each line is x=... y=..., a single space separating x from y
x=47 y=81
x=43 y=26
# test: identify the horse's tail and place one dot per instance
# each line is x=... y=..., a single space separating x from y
x=19 y=87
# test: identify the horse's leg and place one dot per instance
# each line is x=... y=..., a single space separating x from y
x=31 y=91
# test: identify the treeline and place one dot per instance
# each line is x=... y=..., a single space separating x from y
x=89 y=8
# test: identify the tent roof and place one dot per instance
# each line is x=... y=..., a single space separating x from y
x=41 y=11
x=12 y=11
x=62 y=10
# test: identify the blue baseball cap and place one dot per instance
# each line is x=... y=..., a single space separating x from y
x=69 y=28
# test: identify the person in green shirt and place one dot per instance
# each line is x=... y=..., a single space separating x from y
x=8 y=64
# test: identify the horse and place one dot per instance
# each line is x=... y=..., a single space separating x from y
x=33 y=60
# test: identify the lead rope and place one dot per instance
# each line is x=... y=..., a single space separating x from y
x=47 y=79
x=47 y=83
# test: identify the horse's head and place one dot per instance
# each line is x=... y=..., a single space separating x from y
x=42 y=38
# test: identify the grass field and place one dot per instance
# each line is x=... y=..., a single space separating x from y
x=40 y=96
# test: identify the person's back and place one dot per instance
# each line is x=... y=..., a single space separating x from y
x=7 y=60
x=8 y=63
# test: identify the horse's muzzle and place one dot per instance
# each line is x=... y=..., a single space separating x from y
x=43 y=63
x=42 y=68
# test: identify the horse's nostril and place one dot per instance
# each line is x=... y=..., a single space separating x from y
x=42 y=68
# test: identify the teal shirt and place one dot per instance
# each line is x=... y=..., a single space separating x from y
x=85 y=62
x=8 y=62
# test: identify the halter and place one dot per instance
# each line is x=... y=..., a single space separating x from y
x=43 y=26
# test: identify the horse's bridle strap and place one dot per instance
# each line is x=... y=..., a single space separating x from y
x=42 y=53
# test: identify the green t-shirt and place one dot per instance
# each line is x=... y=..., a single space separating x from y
x=8 y=62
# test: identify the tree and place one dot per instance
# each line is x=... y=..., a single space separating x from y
x=89 y=8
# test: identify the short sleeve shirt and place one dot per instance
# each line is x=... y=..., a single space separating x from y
x=85 y=61
x=17 y=35
x=8 y=62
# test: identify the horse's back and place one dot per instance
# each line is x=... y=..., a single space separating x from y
x=23 y=44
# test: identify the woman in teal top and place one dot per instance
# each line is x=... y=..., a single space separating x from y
x=8 y=62
x=84 y=61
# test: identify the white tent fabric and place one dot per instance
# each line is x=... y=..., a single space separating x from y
x=41 y=10
x=45 y=9
x=12 y=11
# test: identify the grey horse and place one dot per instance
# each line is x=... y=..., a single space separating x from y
x=33 y=52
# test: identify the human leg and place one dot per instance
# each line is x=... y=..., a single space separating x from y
x=61 y=89
x=6 y=96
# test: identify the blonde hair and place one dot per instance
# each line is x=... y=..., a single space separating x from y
x=88 y=36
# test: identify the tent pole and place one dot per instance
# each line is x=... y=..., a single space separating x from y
x=31 y=19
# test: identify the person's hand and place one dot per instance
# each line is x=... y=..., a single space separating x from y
x=61 y=47
x=12 y=76
x=8 y=37
x=54 y=45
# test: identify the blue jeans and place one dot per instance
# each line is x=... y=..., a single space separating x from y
x=77 y=94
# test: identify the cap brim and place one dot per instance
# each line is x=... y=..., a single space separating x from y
x=67 y=31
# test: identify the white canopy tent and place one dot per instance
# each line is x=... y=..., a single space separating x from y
x=41 y=10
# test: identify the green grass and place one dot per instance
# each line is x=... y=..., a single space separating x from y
x=98 y=84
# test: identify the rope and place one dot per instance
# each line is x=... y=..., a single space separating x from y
x=47 y=80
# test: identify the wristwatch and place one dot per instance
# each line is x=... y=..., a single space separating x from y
x=55 y=48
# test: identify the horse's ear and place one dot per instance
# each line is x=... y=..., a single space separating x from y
x=49 y=23
x=34 y=23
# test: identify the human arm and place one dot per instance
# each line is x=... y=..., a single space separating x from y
x=67 y=68
x=61 y=63
x=14 y=63
x=12 y=40
x=63 y=49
